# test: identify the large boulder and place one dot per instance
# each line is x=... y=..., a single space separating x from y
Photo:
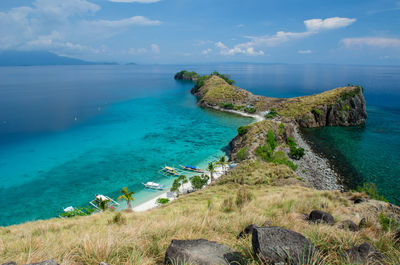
x=276 y=244
x=248 y=230
x=201 y=252
x=319 y=216
x=10 y=263
x=365 y=254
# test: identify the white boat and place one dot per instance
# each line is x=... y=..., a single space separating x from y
x=110 y=203
x=153 y=186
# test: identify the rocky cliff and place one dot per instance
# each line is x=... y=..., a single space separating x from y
x=344 y=106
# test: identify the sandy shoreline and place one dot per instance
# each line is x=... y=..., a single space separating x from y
x=150 y=204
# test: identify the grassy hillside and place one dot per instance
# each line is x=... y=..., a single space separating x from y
x=216 y=213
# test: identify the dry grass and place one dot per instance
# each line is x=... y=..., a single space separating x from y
x=216 y=90
x=299 y=106
x=143 y=237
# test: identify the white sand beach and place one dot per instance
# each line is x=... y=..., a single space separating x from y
x=150 y=204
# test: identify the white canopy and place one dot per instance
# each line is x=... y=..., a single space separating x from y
x=101 y=197
x=69 y=209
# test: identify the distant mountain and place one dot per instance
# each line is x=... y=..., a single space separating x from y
x=28 y=58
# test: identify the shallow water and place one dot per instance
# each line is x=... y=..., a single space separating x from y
x=69 y=132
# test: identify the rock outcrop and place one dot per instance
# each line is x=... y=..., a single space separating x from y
x=365 y=254
x=46 y=262
x=348 y=225
x=319 y=216
x=201 y=252
x=279 y=245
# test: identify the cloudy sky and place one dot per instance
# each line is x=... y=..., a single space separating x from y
x=201 y=31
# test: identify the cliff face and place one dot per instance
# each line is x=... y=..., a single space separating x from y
x=346 y=111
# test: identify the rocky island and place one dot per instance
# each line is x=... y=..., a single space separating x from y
x=273 y=207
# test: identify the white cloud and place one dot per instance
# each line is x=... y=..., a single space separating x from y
x=206 y=51
x=238 y=49
x=313 y=26
x=136 y=20
x=61 y=26
x=155 y=48
x=317 y=25
x=135 y=1
x=304 y=51
x=371 y=41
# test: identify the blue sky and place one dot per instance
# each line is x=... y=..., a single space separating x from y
x=194 y=31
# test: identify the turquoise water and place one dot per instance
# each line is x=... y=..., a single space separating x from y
x=124 y=145
x=69 y=132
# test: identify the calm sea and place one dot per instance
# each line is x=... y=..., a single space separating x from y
x=70 y=132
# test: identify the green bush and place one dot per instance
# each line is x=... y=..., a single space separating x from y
x=291 y=142
x=387 y=224
x=199 y=182
x=296 y=153
x=265 y=152
x=272 y=114
x=201 y=81
x=372 y=191
x=271 y=139
x=118 y=219
x=250 y=110
x=241 y=155
x=243 y=129
x=178 y=182
x=281 y=129
x=161 y=201
x=186 y=75
x=238 y=107
x=280 y=158
x=316 y=111
x=78 y=212
x=227 y=105
x=225 y=77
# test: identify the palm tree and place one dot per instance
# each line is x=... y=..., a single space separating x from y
x=103 y=204
x=222 y=162
x=211 y=169
x=127 y=196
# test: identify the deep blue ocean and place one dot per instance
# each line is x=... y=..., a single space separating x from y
x=70 y=132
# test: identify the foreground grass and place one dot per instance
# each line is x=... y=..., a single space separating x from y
x=213 y=213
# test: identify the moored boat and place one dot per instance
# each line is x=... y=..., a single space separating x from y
x=153 y=186
x=192 y=168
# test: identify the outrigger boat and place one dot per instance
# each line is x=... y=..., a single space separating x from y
x=192 y=168
x=170 y=171
x=100 y=198
x=153 y=186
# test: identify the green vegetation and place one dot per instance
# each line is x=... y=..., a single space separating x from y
x=127 y=196
x=271 y=114
x=201 y=81
x=266 y=152
x=387 y=223
x=81 y=211
x=243 y=130
x=372 y=191
x=198 y=182
x=223 y=162
x=242 y=154
x=316 y=111
x=178 y=182
x=186 y=75
x=295 y=153
x=250 y=110
x=227 y=105
x=349 y=94
x=161 y=201
x=281 y=128
x=211 y=169
x=225 y=77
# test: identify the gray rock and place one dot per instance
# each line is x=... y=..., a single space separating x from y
x=46 y=262
x=10 y=263
x=246 y=231
x=103 y=263
x=275 y=244
x=319 y=216
x=201 y=252
x=365 y=254
x=348 y=225
x=266 y=224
